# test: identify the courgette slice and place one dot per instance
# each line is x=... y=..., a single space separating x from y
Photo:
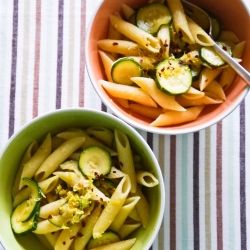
x=95 y=161
x=209 y=56
x=25 y=216
x=123 y=69
x=107 y=237
x=173 y=77
x=151 y=16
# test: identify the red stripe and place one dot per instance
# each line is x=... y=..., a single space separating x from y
x=82 y=54
x=37 y=58
x=173 y=192
x=219 y=187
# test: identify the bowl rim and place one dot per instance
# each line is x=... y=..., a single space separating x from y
x=133 y=131
x=156 y=130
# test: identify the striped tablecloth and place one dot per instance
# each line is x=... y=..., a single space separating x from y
x=207 y=173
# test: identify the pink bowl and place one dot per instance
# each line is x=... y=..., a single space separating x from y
x=227 y=11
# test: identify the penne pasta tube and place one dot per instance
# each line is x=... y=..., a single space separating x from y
x=28 y=154
x=123 y=47
x=37 y=159
x=51 y=208
x=43 y=239
x=177 y=117
x=22 y=195
x=120 y=218
x=58 y=157
x=45 y=227
x=52 y=237
x=193 y=93
x=227 y=35
x=113 y=207
x=127 y=229
x=215 y=91
x=206 y=76
x=89 y=141
x=66 y=237
x=69 y=177
x=180 y=21
x=123 y=102
x=115 y=173
x=127 y=11
x=121 y=245
x=205 y=100
x=146 y=178
x=112 y=32
x=85 y=232
x=199 y=35
x=136 y=34
x=125 y=157
x=164 y=100
x=101 y=133
x=48 y=184
x=142 y=207
x=134 y=215
x=107 y=63
x=146 y=111
x=128 y=92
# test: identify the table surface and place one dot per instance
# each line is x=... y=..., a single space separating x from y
x=207 y=180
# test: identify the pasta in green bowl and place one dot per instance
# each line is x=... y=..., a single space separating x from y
x=69 y=183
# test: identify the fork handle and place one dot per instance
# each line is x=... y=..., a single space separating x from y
x=242 y=72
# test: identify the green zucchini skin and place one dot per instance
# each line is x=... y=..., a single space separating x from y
x=94 y=162
x=173 y=77
x=211 y=58
x=123 y=69
x=108 y=237
x=25 y=217
x=151 y=16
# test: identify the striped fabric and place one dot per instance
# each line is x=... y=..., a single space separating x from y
x=207 y=174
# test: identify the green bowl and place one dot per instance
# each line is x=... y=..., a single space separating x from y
x=55 y=122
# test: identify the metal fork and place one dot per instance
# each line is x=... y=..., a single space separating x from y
x=241 y=71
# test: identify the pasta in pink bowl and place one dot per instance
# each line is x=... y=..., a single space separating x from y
x=155 y=69
x=73 y=184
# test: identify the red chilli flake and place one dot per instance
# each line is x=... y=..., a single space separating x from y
x=115 y=43
x=206 y=80
x=121 y=164
x=50 y=217
x=79 y=234
x=72 y=238
x=162 y=69
x=64 y=243
x=159 y=74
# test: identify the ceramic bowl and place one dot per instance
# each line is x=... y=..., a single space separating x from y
x=55 y=122
x=227 y=11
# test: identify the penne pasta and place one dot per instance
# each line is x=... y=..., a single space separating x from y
x=28 y=154
x=164 y=100
x=52 y=237
x=193 y=93
x=128 y=48
x=113 y=207
x=125 y=157
x=215 y=91
x=176 y=117
x=107 y=63
x=48 y=185
x=123 y=102
x=146 y=111
x=127 y=11
x=180 y=21
x=101 y=133
x=137 y=35
x=121 y=245
x=127 y=229
x=58 y=157
x=128 y=92
x=45 y=227
x=120 y=218
x=85 y=232
x=146 y=179
x=142 y=207
x=228 y=35
x=207 y=75
x=66 y=237
x=199 y=35
x=205 y=100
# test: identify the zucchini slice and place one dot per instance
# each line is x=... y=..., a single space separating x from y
x=107 y=237
x=173 y=77
x=95 y=161
x=125 y=68
x=25 y=216
x=151 y=16
x=209 y=56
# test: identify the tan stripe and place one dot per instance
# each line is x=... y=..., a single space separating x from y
x=71 y=53
x=207 y=188
x=161 y=148
x=25 y=70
